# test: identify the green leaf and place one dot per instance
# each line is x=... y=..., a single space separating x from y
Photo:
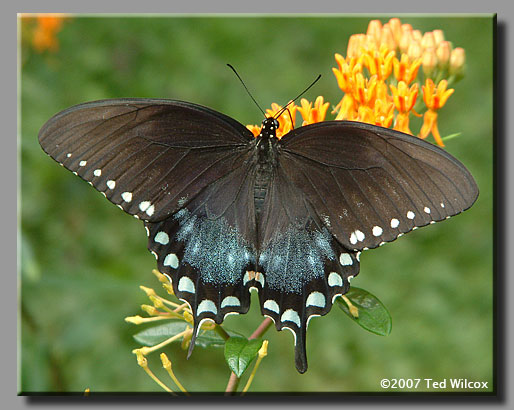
x=239 y=353
x=373 y=315
x=157 y=334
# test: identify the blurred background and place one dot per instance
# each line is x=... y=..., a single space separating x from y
x=82 y=259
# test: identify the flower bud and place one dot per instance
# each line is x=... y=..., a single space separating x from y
x=438 y=37
x=387 y=38
x=457 y=60
x=405 y=41
x=396 y=29
x=375 y=30
x=443 y=52
x=415 y=51
x=429 y=61
x=428 y=40
x=416 y=35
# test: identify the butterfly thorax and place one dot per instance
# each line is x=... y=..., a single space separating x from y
x=266 y=160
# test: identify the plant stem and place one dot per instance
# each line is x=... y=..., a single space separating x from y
x=222 y=332
x=263 y=327
x=233 y=381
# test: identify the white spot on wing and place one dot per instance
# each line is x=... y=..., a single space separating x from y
x=68 y=155
x=377 y=231
x=345 y=259
x=111 y=184
x=143 y=206
x=334 y=279
x=353 y=238
x=185 y=284
x=360 y=236
x=272 y=305
x=82 y=163
x=162 y=238
x=97 y=172
x=230 y=301
x=206 y=305
x=426 y=209
x=291 y=315
x=316 y=299
x=411 y=215
x=171 y=260
x=150 y=210
x=442 y=205
x=126 y=196
x=246 y=278
x=395 y=223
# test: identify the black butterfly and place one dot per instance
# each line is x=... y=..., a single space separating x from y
x=226 y=212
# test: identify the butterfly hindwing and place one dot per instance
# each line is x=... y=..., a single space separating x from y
x=304 y=266
x=372 y=184
x=207 y=247
x=149 y=157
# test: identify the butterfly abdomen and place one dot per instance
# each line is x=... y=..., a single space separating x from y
x=266 y=161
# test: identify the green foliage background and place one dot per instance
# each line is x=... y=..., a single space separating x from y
x=82 y=259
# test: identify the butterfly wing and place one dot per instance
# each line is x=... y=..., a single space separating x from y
x=148 y=156
x=208 y=245
x=304 y=267
x=187 y=171
x=370 y=184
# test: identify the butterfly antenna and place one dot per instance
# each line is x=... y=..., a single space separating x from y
x=299 y=95
x=246 y=88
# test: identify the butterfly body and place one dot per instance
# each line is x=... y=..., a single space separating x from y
x=226 y=212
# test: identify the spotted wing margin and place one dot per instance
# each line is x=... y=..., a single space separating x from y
x=148 y=156
x=371 y=184
x=304 y=267
x=207 y=247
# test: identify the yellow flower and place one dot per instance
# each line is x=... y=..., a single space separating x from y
x=364 y=92
x=405 y=70
x=434 y=98
x=346 y=71
x=379 y=63
x=346 y=109
x=312 y=115
x=404 y=99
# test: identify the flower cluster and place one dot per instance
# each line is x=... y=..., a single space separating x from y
x=287 y=119
x=42 y=30
x=381 y=77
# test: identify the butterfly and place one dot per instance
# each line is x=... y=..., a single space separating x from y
x=226 y=212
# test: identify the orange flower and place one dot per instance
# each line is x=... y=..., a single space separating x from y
x=346 y=109
x=312 y=115
x=364 y=92
x=434 y=99
x=45 y=33
x=346 y=71
x=379 y=63
x=255 y=129
x=404 y=70
x=404 y=99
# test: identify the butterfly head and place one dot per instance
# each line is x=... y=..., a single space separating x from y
x=269 y=128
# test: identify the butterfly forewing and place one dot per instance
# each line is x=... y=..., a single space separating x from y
x=370 y=184
x=149 y=157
